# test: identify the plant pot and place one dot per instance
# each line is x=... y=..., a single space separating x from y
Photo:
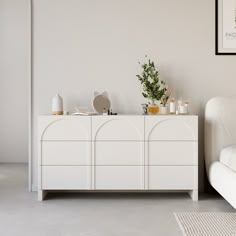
x=163 y=110
x=153 y=109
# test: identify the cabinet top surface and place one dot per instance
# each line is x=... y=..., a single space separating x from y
x=139 y=115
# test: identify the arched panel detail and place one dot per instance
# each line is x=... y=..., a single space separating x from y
x=66 y=129
x=118 y=129
x=172 y=129
x=45 y=129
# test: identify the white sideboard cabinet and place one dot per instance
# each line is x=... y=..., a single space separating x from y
x=123 y=153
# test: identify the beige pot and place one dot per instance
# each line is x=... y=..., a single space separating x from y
x=163 y=110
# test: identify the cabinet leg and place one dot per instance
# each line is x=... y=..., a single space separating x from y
x=41 y=195
x=194 y=195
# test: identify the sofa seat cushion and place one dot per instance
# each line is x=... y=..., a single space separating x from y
x=228 y=157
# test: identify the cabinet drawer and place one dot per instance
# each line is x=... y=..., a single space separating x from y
x=172 y=153
x=119 y=153
x=66 y=153
x=172 y=177
x=66 y=177
x=65 y=128
x=171 y=128
x=119 y=177
x=118 y=128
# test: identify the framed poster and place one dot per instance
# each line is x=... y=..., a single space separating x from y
x=225 y=27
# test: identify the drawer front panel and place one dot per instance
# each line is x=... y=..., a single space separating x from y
x=172 y=177
x=67 y=128
x=119 y=153
x=119 y=177
x=66 y=153
x=118 y=128
x=66 y=177
x=171 y=128
x=172 y=153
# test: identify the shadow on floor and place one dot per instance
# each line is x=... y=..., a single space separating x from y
x=128 y=195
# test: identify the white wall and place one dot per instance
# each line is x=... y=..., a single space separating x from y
x=86 y=45
x=14 y=76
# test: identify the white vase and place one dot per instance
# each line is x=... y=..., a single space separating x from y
x=57 y=105
x=163 y=110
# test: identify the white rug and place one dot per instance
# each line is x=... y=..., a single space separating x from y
x=207 y=224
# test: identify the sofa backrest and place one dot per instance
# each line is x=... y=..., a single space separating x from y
x=219 y=127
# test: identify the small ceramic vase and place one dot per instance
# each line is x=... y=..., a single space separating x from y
x=57 y=105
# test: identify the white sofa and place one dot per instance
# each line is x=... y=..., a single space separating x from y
x=220 y=146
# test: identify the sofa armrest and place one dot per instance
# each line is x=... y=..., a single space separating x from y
x=218 y=127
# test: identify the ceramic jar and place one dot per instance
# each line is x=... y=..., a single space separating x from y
x=57 y=105
x=163 y=110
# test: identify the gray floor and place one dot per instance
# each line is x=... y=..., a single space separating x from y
x=94 y=214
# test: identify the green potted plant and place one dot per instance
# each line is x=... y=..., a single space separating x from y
x=153 y=88
x=164 y=100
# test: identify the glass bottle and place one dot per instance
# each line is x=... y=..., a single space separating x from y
x=172 y=106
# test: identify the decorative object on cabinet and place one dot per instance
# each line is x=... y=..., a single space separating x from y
x=111 y=113
x=124 y=152
x=84 y=111
x=164 y=101
x=163 y=110
x=153 y=109
x=172 y=106
x=101 y=102
x=186 y=104
x=183 y=107
x=57 y=105
x=153 y=88
x=145 y=108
